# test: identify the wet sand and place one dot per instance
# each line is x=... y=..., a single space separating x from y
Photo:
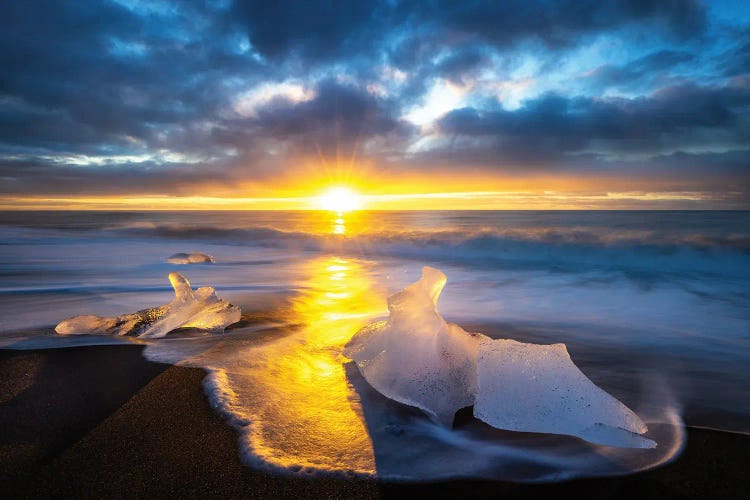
x=93 y=422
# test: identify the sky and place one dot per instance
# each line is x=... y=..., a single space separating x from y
x=575 y=104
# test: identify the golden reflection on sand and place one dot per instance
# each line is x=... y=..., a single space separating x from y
x=314 y=419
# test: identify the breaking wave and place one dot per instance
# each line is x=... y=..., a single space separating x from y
x=636 y=251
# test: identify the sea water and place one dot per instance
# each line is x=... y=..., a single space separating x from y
x=654 y=307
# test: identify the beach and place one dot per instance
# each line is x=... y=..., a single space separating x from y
x=651 y=308
x=372 y=249
x=102 y=421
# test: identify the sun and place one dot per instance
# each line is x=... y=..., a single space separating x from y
x=339 y=199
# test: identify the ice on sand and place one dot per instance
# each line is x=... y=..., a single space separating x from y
x=200 y=309
x=538 y=388
x=191 y=258
x=419 y=359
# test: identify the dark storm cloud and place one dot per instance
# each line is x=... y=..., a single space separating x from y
x=460 y=63
x=561 y=21
x=145 y=93
x=42 y=177
x=310 y=31
x=552 y=126
x=110 y=72
x=347 y=110
x=331 y=29
x=556 y=24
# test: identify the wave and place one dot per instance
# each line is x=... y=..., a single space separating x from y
x=579 y=235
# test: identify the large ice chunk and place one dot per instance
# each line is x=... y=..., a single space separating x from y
x=200 y=309
x=417 y=358
x=537 y=388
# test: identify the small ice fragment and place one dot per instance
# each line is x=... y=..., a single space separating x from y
x=416 y=358
x=538 y=388
x=200 y=309
x=88 y=323
x=191 y=258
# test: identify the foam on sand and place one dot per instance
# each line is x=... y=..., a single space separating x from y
x=419 y=359
x=200 y=309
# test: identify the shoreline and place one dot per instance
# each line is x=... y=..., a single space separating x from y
x=102 y=421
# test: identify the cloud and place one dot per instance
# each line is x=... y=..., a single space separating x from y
x=735 y=60
x=164 y=96
x=247 y=104
x=347 y=110
x=309 y=31
x=650 y=67
x=553 y=126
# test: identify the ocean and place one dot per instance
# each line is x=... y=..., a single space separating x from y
x=654 y=307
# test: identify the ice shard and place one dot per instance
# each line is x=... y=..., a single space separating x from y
x=538 y=388
x=417 y=358
x=200 y=309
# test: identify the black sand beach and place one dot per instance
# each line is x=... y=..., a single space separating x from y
x=94 y=422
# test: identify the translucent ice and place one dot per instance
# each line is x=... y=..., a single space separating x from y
x=200 y=309
x=537 y=388
x=191 y=258
x=418 y=359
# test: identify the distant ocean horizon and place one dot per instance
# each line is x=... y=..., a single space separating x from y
x=654 y=306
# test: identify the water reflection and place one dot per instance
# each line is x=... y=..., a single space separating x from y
x=338 y=224
x=304 y=413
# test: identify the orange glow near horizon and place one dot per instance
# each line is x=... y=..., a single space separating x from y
x=464 y=200
x=338 y=190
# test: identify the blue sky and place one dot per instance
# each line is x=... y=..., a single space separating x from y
x=248 y=99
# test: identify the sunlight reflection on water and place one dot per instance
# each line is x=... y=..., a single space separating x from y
x=290 y=395
x=319 y=431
